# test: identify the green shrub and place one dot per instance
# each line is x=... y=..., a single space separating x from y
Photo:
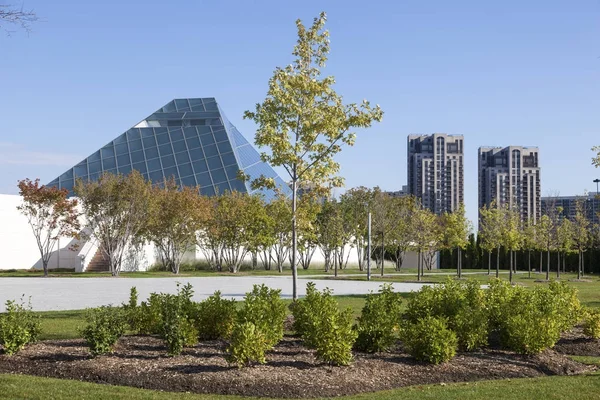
x=214 y=317
x=19 y=326
x=379 y=321
x=248 y=344
x=566 y=304
x=429 y=339
x=264 y=308
x=177 y=330
x=497 y=298
x=591 y=323
x=105 y=325
x=323 y=327
x=147 y=318
x=133 y=313
x=531 y=323
x=461 y=304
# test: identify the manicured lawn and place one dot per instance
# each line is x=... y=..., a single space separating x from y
x=556 y=387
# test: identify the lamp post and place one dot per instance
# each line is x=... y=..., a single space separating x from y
x=596 y=182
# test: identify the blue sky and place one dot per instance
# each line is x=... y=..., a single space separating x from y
x=500 y=73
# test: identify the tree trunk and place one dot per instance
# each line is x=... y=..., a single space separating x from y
x=335 y=263
x=489 y=262
x=558 y=265
x=510 y=273
x=294 y=237
x=579 y=264
x=582 y=263
x=459 y=264
x=529 y=263
x=419 y=266
x=498 y=263
x=382 y=252
x=541 y=259
x=548 y=266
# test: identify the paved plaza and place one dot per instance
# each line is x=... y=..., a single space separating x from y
x=78 y=293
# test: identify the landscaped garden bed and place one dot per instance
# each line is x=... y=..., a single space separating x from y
x=291 y=371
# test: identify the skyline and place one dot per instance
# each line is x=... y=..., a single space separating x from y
x=500 y=75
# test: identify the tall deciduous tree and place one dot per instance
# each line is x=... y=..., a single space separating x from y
x=176 y=214
x=357 y=202
x=565 y=240
x=490 y=224
x=49 y=214
x=304 y=122
x=456 y=228
x=116 y=208
x=546 y=230
x=402 y=228
x=511 y=233
x=581 y=234
x=427 y=236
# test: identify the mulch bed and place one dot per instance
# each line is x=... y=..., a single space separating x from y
x=291 y=369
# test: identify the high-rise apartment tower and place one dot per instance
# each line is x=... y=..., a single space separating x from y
x=435 y=170
x=511 y=176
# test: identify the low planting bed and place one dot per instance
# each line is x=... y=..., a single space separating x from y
x=291 y=371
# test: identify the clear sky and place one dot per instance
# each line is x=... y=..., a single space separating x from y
x=500 y=73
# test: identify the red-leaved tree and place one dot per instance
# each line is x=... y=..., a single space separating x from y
x=50 y=214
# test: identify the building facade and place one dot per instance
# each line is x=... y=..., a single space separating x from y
x=399 y=193
x=511 y=177
x=435 y=170
x=190 y=140
x=566 y=206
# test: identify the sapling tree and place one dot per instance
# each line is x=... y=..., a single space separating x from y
x=456 y=228
x=304 y=123
x=50 y=215
x=490 y=223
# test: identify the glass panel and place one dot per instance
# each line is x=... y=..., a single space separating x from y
x=179 y=146
x=177 y=122
x=181 y=104
x=133 y=134
x=176 y=134
x=237 y=186
x=196 y=122
x=123 y=160
x=218 y=175
x=195 y=102
x=189 y=181
x=203 y=179
x=168 y=161
x=156 y=176
x=94 y=157
x=147 y=132
x=80 y=170
x=137 y=156
x=165 y=149
x=193 y=143
x=182 y=158
x=152 y=152
x=153 y=165
x=214 y=162
x=68 y=184
x=107 y=151
x=211 y=106
x=121 y=139
x=125 y=170
x=135 y=144
x=232 y=172
x=200 y=166
x=210 y=150
x=221 y=135
x=112 y=171
x=162 y=139
x=109 y=163
x=169 y=107
x=214 y=122
x=171 y=172
x=94 y=167
x=94 y=176
x=190 y=132
x=121 y=149
x=207 y=139
x=223 y=187
x=207 y=190
x=141 y=166
x=185 y=169
x=159 y=131
x=228 y=159
x=224 y=147
x=149 y=141
x=67 y=175
x=203 y=130
x=196 y=154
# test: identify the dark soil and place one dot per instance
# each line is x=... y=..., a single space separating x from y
x=576 y=344
x=291 y=369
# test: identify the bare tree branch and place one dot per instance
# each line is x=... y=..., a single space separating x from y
x=14 y=16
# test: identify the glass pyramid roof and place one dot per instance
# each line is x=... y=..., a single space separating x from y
x=188 y=139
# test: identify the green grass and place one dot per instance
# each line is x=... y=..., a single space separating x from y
x=61 y=324
x=589 y=360
x=557 y=387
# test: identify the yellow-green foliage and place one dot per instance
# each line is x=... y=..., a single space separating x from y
x=429 y=339
x=591 y=323
x=18 y=327
x=248 y=344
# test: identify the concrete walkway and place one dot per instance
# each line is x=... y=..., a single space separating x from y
x=79 y=293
